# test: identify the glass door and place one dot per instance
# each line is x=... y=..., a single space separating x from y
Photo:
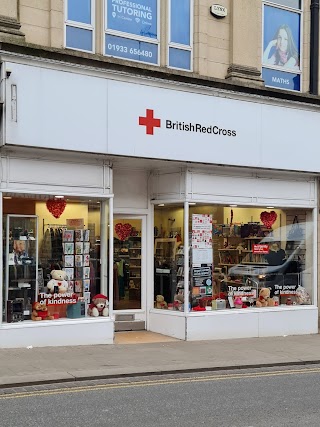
x=127 y=268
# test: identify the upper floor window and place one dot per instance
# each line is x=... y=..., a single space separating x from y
x=131 y=30
x=180 y=34
x=281 y=56
x=79 y=24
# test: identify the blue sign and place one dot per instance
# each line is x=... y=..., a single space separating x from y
x=131 y=49
x=281 y=79
x=138 y=17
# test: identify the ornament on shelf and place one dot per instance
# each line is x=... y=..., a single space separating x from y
x=268 y=218
x=56 y=207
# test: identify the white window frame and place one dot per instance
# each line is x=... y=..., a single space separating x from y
x=111 y=32
x=275 y=67
x=80 y=25
x=177 y=45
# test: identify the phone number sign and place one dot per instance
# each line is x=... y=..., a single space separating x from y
x=131 y=49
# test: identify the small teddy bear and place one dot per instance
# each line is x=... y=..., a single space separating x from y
x=58 y=280
x=160 y=302
x=40 y=311
x=99 y=306
x=264 y=299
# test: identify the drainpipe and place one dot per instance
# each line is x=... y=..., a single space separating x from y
x=314 y=47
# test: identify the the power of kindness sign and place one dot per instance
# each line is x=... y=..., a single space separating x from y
x=57 y=298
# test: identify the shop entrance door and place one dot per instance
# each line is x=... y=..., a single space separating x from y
x=128 y=269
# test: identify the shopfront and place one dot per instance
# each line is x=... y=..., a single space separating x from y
x=244 y=266
x=184 y=243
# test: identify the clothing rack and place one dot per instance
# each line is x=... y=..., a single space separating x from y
x=52 y=226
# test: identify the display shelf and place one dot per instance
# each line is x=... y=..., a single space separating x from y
x=20 y=266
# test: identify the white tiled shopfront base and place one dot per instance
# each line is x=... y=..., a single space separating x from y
x=232 y=324
x=88 y=331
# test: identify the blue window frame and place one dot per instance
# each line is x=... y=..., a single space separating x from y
x=131 y=30
x=180 y=34
x=79 y=25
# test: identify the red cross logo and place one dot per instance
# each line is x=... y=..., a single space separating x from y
x=149 y=122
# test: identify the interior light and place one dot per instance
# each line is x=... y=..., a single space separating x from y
x=7 y=197
x=270 y=207
x=233 y=206
x=59 y=197
x=192 y=203
x=161 y=204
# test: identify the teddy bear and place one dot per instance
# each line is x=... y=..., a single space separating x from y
x=178 y=301
x=58 y=280
x=99 y=306
x=40 y=311
x=160 y=302
x=264 y=299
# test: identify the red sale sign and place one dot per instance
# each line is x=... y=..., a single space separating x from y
x=260 y=249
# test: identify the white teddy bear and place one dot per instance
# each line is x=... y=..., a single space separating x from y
x=58 y=279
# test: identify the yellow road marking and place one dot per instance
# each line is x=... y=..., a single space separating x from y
x=158 y=382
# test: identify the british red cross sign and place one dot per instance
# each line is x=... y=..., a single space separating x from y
x=149 y=122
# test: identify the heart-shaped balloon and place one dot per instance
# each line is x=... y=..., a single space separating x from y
x=56 y=207
x=123 y=230
x=268 y=218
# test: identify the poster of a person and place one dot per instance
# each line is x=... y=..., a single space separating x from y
x=281 y=38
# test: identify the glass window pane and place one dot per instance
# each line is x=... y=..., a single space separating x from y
x=169 y=257
x=290 y=3
x=36 y=243
x=281 y=38
x=180 y=21
x=79 y=11
x=131 y=49
x=127 y=271
x=78 y=38
x=179 y=58
x=251 y=250
x=138 y=17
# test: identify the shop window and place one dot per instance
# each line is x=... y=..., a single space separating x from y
x=180 y=35
x=249 y=257
x=55 y=258
x=131 y=30
x=168 y=257
x=239 y=258
x=282 y=42
x=79 y=25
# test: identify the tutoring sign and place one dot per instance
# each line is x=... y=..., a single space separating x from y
x=133 y=17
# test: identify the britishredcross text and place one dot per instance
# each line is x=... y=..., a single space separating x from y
x=197 y=127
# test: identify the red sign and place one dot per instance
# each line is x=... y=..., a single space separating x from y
x=149 y=122
x=260 y=249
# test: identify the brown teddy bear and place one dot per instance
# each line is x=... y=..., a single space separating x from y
x=264 y=299
x=99 y=306
x=40 y=311
x=160 y=302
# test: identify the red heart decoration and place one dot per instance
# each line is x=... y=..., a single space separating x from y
x=123 y=230
x=268 y=218
x=56 y=207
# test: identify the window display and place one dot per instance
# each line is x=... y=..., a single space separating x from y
x=51 y=270
x=239 y=258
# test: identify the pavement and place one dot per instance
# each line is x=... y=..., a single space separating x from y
x=139 y=353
